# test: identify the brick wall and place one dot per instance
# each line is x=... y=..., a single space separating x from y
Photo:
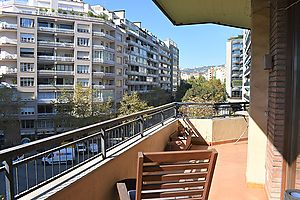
x=276 y=105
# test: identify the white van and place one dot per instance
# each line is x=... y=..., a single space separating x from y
x=63 y=156
x=94 y=148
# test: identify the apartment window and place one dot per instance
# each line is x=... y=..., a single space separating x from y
x=27 y=124
x=45 y=109
x=119 y=83
x=119 y=49
x=119 y=72
x=27 y=111
x=27 y=37
x=119 y=60
x=65 y=26
x=64 y=67
x=83 y=55
x=27 y=96
x=46 y=96
x=83 y=42
x=27 y=52
x=45 y=124
x=98 y=54
x=119 y=37
x=27 y=23
x=83 y=82
x=26 y=82
x=83 y=69
x=27 y=67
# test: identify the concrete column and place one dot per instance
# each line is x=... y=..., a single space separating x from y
x=257 y=139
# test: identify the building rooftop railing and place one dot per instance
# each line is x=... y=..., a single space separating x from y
x=28 y=167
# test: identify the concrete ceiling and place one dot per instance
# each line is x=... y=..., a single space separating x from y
x=226 y=12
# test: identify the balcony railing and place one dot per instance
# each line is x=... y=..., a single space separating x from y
x=7 y=26
x=56 y=30
x=56 y=58
x=7 y=41
x=101 y=34
x=36 y=164
x=56 y=44
x=8 y=56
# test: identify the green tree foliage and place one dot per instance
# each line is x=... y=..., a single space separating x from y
x=181 y=90
x=75 y=109
x=157 y=97
x=203 y=91
x=132 y=104
x=10 y=105
x=210 y=91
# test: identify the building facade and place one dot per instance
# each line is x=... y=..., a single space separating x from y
x=246 y=65
x=50 y=46
x=175 y=71
x=234 y=67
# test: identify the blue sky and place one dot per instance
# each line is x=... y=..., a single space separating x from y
x=199 y=44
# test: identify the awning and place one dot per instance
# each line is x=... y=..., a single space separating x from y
x=226 y=12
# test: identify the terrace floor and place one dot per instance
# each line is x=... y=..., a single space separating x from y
x=229 y=180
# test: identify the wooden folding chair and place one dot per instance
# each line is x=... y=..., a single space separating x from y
x=172 y=175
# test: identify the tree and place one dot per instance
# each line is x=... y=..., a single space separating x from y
x=76 y=109
x=157 y=97
x=131 y=104
x=204 y=91
x=10 y=105
x=181 y=90
x=210 y=91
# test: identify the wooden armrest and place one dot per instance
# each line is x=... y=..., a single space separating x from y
x=122 y=190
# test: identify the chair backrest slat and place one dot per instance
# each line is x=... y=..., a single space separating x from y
x=186 y=174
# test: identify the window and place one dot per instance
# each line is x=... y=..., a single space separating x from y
x=45 y=109
x=83 y=69
x=119 y=49
x=26 y=37
x=46 y=96
x=26 y=124
x=119 y=60
x=27 y=111
x=119 y=37
x=27 y=23
x=65 y=26
x=83 y=82
x=27 y=96
x=27 y=52
x=45 y=124
x=64 y=67
x=26 y=82
x=83 y=42
x=119 y=83
x=83 y=55
x=27 y=67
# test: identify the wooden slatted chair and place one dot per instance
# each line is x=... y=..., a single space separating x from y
x=173 y=175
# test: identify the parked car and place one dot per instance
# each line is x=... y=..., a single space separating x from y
x=81 y=148
x=62 y=156
x=93 y=148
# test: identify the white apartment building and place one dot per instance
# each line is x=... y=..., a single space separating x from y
x=47 y=46
x=151 y=60
x=246 y=65
x=175 y=71
x=234 y=67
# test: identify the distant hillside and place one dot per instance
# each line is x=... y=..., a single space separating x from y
x=201 y=69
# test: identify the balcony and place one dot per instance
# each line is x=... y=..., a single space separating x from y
x=56 y=30
x=54 y=87
x=105 y=61
x=101 y=47
x=103 y=74
x=111 y=153
x=45 y=43
x=55 y=72
x=8 y=26
x=104 y=87
x=103 y=35
x=56 y=58
x=4 y=41
x=8 y=56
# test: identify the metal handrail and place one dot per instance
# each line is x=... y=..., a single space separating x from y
x=104 y=135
